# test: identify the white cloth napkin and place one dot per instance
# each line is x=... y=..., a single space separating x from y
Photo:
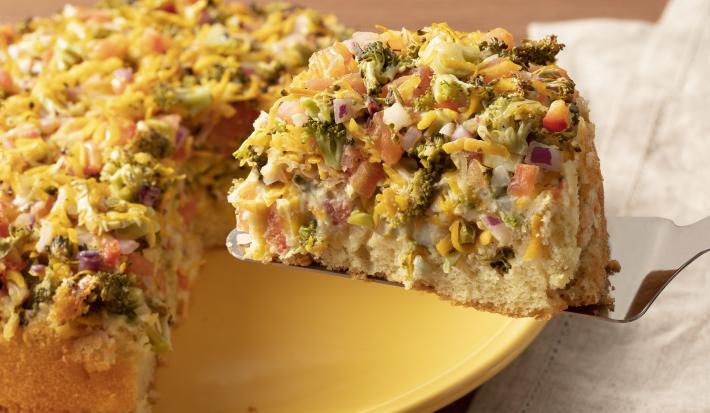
x=649 y=92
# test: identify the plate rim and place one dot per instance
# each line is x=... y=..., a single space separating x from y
x=500 y=350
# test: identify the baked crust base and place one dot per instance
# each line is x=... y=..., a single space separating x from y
x=42 y=373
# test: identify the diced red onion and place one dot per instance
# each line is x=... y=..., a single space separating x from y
x=149 y=195
x=37 y=269
x=544 y=156
x=89 y=260
x=124 y=74
x=372 y=106
x=127 y=246
x=498 y=229
x=410 y=138
x=500 y=177
x=448 y=129
x=353 y=47
x=461 y=133
x=342 y=110
x=180 y=136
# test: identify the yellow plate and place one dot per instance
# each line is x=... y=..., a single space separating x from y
x=271 y=339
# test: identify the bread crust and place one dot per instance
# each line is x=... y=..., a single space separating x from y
x=590 y=284
x=45 y=373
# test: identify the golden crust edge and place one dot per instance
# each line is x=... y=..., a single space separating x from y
x=40 y=374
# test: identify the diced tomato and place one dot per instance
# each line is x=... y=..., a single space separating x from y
x=41 y=209
x=114 y=46
x=332 y=62
x=5 y=219
x=365 y=178
x=355 y=81
x=128 y=131
x=183 y=281
x=337 y=211
x=274 y=233
x=155 y=42
x=390 y=150
x=454 y=105
x=6 y=83
x=425 y=74
x=557 y=117
x=502 y=35
x=140 y=265
x=188 y=209
x=351 y=158
x=93 y=163
x=524 y=179
x=168 y=7
x=111 y=251
x=229 y=132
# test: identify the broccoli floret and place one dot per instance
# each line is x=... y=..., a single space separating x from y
x=431 y=154
x=308 y=235
x=422 y=189
x=114 y=292
x=561 y=88
x=152 y=141
x=247 y=155
x=16 y=237
x=538 y=52
x=271 y=72
x=378 y=65
x=493 y=46
x=60 y=247
x=424 y=102
x=164 y=97
x=501 y=261
x=193 y=100
x=330 y=137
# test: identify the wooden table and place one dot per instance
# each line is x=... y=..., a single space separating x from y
x=463 y=15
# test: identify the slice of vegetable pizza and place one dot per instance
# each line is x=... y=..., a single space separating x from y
x=456 y=162
x=118 y=123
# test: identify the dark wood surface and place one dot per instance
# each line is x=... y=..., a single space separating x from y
x=514 y=15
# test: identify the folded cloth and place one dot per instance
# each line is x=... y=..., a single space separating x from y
x=649 y=96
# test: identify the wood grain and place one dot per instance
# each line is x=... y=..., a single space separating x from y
x=464 y=15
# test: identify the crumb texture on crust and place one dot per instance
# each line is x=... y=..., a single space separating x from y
x=42 y=373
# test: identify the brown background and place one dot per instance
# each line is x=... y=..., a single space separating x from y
x=463 y=15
